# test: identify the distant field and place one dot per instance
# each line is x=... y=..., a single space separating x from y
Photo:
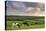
x=37 y=22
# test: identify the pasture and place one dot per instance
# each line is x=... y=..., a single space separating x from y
x=34 y=23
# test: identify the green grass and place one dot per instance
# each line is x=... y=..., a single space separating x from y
x=36 y=21
x=35 y=26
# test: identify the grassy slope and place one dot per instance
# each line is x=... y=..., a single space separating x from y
x=9 y=26
x=33 y=20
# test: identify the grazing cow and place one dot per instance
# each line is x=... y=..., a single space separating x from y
x=15 y=24
x=25 y=23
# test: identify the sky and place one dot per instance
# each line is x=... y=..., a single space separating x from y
x=41 y=1
x=25 y=8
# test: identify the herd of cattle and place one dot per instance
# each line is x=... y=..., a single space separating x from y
x=18 y=24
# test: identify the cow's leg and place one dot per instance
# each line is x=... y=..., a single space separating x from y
x=13 y=25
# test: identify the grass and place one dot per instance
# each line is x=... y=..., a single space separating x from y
x=9 y=26
x=36 y=21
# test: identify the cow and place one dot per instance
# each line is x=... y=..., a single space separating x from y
x=25 y=23
x=15 y=24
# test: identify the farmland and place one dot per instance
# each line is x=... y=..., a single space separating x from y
x=35 y=22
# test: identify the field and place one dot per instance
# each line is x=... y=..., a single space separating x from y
x=35 y=22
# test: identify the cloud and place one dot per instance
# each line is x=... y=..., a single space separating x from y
x=25 y=8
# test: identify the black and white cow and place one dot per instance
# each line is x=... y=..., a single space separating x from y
x=15 y=24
